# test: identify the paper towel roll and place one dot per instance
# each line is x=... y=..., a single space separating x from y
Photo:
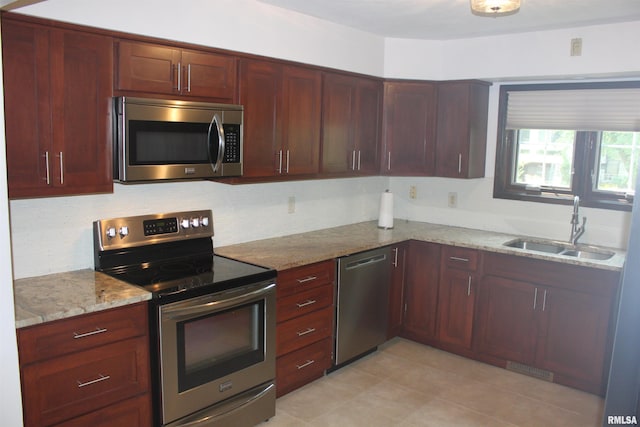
x=385 y=219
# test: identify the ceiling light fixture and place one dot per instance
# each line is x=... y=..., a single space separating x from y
x=494 y=7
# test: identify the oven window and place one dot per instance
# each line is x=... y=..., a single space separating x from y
x=219 y=344
x=163 y=143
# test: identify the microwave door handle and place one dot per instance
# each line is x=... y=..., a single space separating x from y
x=219 y=132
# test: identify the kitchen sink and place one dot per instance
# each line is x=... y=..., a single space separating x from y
x=560 y=248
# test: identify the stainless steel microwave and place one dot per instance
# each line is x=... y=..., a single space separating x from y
x=157 y=139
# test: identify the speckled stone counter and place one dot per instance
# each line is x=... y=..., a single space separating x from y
x=295 y=250
x=58 y=296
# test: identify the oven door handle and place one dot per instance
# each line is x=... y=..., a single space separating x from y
x=215 y=128
x=212 y=303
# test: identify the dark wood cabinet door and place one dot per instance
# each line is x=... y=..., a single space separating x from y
x=421 y=291
x=25 y=60
x=147 y=67
x=409 y=128
x=259 y=93
x=82 y=81
x=456 y=302
x=59 y=84
x=462 y=129
x=338 y=109
x=575 y=328
x=209 y=75
x=507 y=319
x=396 y=291
x=301 y=105
x=367 y=126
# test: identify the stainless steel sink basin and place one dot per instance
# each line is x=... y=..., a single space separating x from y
x=560 y=248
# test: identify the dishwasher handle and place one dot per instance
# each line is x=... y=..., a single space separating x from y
x=365 y=262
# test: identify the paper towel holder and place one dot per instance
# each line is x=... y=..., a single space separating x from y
x=385 y=217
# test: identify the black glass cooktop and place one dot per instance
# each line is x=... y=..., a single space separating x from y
x=192 y=276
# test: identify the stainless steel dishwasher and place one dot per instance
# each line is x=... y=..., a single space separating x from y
x=362 y=303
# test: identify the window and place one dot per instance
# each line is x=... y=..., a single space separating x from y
x=559 y=141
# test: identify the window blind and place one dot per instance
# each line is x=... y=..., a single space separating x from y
x=575 y=109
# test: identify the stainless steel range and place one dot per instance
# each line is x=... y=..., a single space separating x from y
x=212 y=319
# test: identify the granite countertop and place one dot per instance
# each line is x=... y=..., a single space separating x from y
x=296 y=250
x=58 y=296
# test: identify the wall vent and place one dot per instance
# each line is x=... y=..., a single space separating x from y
x=530 y=371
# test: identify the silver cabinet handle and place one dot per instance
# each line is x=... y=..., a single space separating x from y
x=535 y=298
x=395 y=257
x=544 y=300
x=88 y=334
x=359 y=159
x=179 y=77
x=305 y=332
x=389 y=162
x=189 y=78
x=353 y=160
x=287 y=170
x=97 y=380
x=47 y=168
x=469 y=287
x=460 y=163
x=306 y=303
x=307 y=279
x=455 y=258
x=280 y=161
x=61 y=168
x=305 y=364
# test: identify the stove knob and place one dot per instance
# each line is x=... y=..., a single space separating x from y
x=204 y=221
x=111 y=232
x=124 y=231
x=195 y=222
x=184 y=223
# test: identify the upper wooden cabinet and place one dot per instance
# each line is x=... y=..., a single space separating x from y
x=462 y=129
x=350 y=124
x=145 y=67
x=409 y=128
x=57 y=94
x=281 y=119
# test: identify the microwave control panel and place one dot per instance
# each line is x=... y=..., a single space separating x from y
x=232 y=146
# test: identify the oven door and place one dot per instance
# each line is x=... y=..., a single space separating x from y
x=215 y=347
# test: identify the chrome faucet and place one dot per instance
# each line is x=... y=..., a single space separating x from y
x=577 y=230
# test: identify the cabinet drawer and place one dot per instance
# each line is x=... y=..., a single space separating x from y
x=302 y=331
x=304 y=302
x=80 y=333
x=130 y=413
x=302 y=366
x=460 y=258
x=302 y=278
x=65 y=387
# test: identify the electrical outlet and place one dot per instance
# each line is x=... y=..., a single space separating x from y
x=292 y=204
x=413 y=192
x=453 y=200
x=576 y=47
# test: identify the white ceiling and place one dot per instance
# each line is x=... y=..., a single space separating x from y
x=452 y=19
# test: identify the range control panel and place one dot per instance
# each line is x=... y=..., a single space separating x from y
x=116 y=233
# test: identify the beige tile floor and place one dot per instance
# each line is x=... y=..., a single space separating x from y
x=408 y=384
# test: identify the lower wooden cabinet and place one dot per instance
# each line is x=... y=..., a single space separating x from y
x=304 y=331
x=550 y=316
x=457 y=290
x=95 y=365
x=396 y=290
x=421 y=291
